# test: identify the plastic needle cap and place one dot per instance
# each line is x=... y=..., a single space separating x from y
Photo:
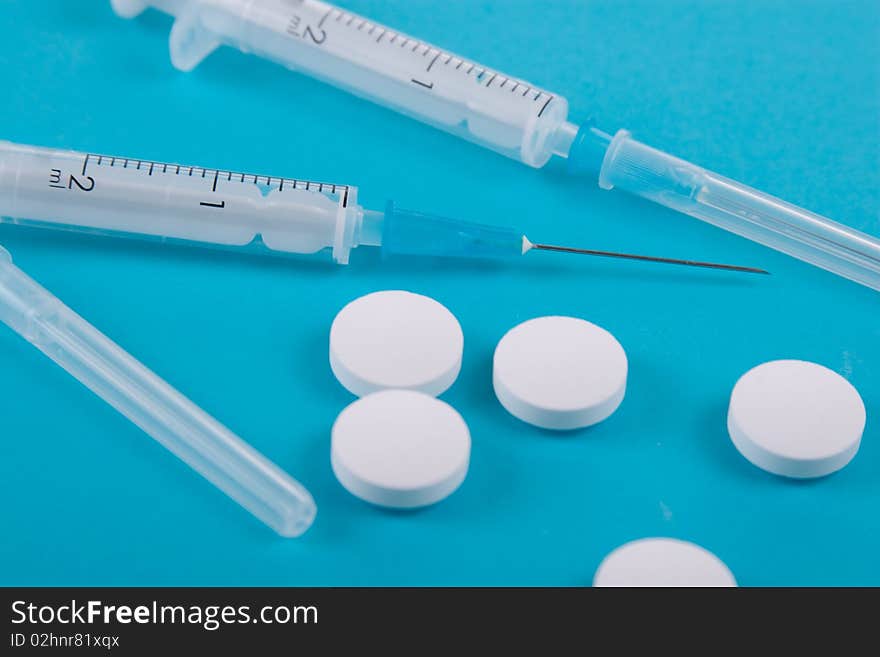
x=171 y=419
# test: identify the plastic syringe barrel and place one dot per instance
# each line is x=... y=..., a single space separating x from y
x=627 y=164
x=488 y=107
x=499 y=112
x=134 y=198
x=171 y=419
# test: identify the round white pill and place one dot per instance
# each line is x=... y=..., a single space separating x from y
x=796 y=419
x=401 y=449
x=559 y=372
x=395 y=339
x=662 y=562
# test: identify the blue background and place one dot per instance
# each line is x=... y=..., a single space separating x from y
x=782 y=95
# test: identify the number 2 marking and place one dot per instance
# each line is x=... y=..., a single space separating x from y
x=73 y=181
x=55 y=178
x=308 y=32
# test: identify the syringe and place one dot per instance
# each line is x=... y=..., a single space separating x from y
x=131 y=197
x=499 y=112
x=187 y=431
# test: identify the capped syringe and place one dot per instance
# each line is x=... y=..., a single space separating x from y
x=498 y=111
x=162 y=412
x=129 y=197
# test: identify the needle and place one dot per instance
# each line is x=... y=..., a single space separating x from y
x=630 y=256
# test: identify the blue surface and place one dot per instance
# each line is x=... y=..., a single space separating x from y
x=782 y=95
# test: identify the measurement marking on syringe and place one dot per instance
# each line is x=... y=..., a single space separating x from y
x=324 y=17
x=150 y=167
x=484 y=76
